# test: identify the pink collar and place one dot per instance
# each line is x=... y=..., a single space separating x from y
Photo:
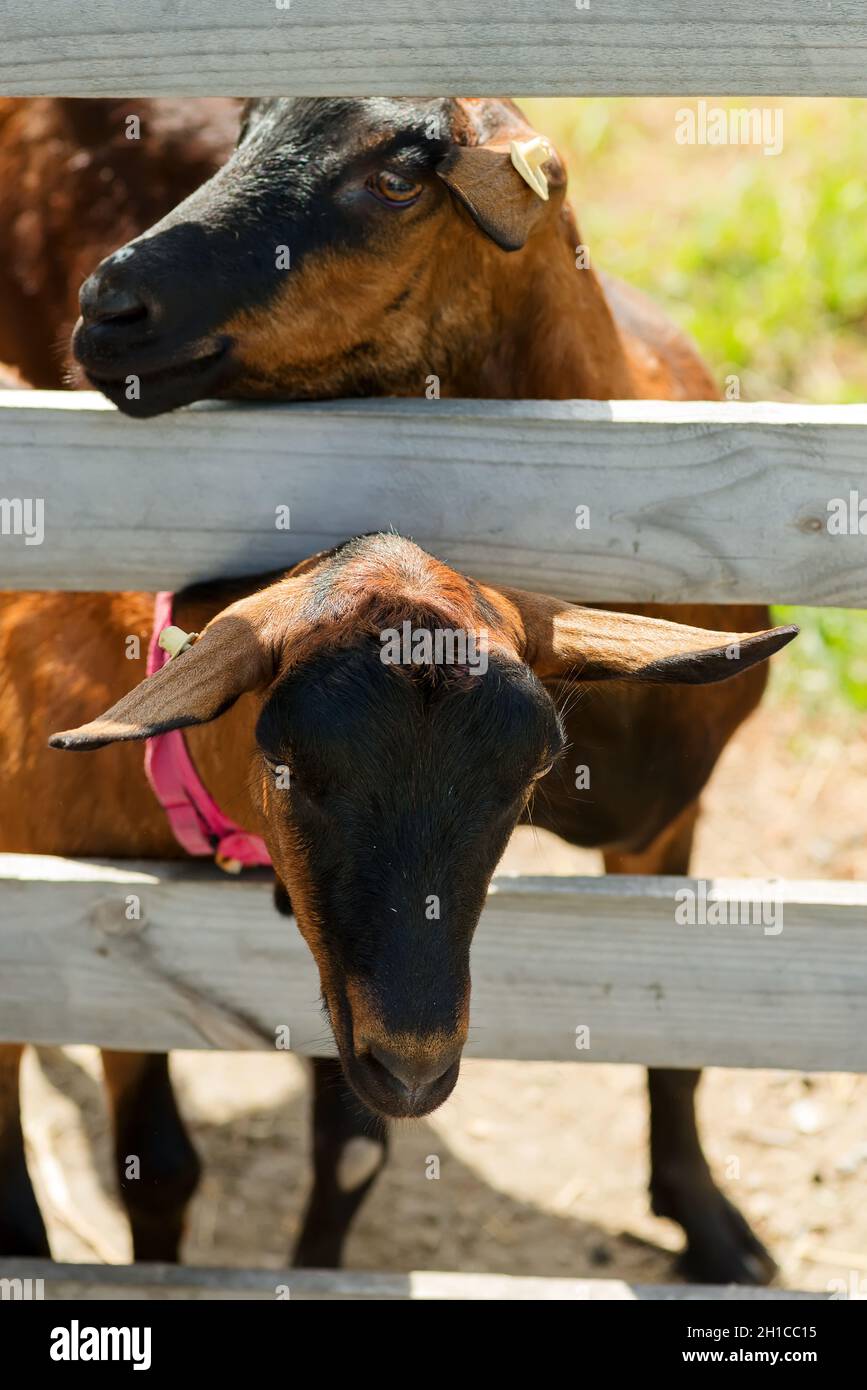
x=196 y=820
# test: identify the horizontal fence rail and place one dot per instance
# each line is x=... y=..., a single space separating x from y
x=154 y=1281
x=157 y=956
x=477 y=47
x=685 y=502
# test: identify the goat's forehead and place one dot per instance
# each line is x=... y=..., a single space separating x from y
x=350 y=125
x=394 y=578
x=344 y=125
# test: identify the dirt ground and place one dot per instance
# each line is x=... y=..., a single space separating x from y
x=542 y=1167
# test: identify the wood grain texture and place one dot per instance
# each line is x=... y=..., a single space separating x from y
x=210 y=964
x=174 y=1282
x=688 y=502
x=474 y=47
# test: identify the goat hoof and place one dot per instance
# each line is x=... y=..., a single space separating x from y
x=722 y=1248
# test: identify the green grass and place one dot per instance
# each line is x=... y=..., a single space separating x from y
x=827 y=667
x=763 y=260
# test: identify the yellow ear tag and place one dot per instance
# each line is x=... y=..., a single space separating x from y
x=174 y=640
x=528 y=156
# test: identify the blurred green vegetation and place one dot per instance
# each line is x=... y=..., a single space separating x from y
x=828 y=662
x=763 y=259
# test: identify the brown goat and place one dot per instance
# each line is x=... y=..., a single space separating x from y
x=414 y=252
x=294 y=675
x=373 y=307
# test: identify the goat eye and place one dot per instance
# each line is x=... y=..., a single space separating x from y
x=394 y=188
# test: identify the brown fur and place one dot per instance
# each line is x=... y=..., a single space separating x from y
x=74 y=188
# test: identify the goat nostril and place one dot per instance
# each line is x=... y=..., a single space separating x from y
x=411 y=1074
x=102 y=301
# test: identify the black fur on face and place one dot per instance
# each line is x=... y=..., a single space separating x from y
x=405 y=784
x=301 y=184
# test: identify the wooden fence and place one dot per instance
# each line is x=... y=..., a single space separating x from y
x=415 y=48
x=709 y=502
x=207 y=962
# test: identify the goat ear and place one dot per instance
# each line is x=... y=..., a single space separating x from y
x=590 y=644
x=229 y=659
x=485 y=181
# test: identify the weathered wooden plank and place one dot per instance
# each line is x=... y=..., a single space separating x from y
x=172 y=1282
x=687 y=502
x=211 y=964
x=312 y=47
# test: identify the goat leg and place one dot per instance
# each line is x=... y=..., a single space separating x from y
x=721 y=1247
x=350 y=1146
x=157 y=1167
